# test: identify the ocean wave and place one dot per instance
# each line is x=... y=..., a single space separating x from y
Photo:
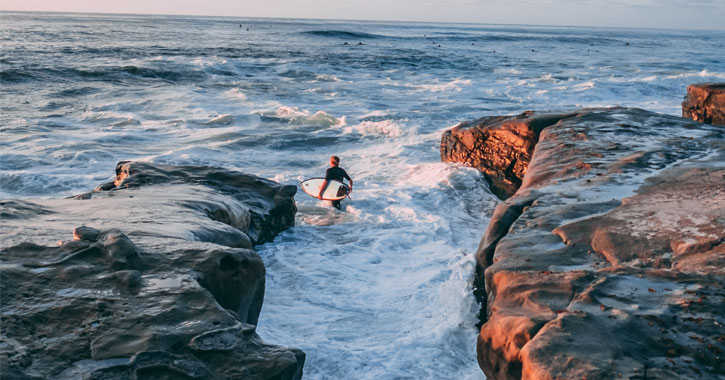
x=453 y=85
x=702 y=74
x=527 y=36
x=112 y=119
x=292 y=115
x=147 y=72
x=235 y=93
x=584 y=86
x=15 y=76
x=341 y=34
x=299 y=75
x=386 y=128
x=375 y=114
x=327 y=78
x=647 y=79
x=123 y=123
x=77 y=91
x=506 y=70
x=99 y=73
x=223 y=119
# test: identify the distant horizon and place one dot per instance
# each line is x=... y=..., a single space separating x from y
x=352 y=20
x=635 y=14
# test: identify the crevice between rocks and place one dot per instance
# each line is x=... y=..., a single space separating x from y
x=500 y=147
x=526 y=126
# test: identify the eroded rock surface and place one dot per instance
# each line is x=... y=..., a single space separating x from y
x=150 y=277
x=608 y=261
x=705 y=102
x=499 y=146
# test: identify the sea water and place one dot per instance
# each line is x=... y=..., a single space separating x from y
x=383 y=289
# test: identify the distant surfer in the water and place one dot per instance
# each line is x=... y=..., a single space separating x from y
x=335 y=172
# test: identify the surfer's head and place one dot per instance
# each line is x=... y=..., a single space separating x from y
x=334 y=160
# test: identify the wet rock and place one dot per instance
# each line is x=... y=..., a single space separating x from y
x=607 y=261
x=236 y=279
x=227 y=339
x=152 y=285
x=18 y=209
x=127 y=278
x=705 y=102
x=269 y=208
x=85 y=233
x=120 y=252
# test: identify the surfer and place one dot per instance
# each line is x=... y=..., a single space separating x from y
x=335 y=172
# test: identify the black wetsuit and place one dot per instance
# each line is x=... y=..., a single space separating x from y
x=337 y=174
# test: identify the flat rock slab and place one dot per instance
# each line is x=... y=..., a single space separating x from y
x=608 y=260
x=705 y=102
x=151 y=276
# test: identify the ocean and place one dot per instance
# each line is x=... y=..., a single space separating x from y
x=383 y=289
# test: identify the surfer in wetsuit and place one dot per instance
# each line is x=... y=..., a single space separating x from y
x=335 y=172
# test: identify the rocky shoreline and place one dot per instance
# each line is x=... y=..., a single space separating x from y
x=607 y=261
x=153 y=276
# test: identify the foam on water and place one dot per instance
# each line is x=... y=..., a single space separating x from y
x=398 y=277
x=375 y=128
x=382 y=290
x=236 y=94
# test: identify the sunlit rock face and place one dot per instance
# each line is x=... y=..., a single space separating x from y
x=608 y=261
x=499 y=146
x=151 y=276
x=705 y=102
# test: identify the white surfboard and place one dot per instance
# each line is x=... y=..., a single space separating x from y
x=335 y=190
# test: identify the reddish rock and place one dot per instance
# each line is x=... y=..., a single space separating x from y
x=608 y=261
x=705 y=102
x=501 y=147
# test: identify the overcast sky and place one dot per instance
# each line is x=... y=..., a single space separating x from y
x=687 y=14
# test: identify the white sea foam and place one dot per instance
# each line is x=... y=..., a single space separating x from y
x=547 y=78
x=220 y=119
x=509 y=70
x=702 y=74
x=584 y=86
x=377 y=113
x=395 y=238
x=387 y=128
x=294 y=115
x=327 y=77
x=435 y=86
x=454 y=85
x=235 y=93
x=209 y=61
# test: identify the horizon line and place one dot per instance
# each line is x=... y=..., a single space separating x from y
x=354 y=20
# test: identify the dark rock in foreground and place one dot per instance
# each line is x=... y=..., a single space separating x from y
x=609 y=261
x=164 y=287
x=705 y=102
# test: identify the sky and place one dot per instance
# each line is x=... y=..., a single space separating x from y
x=668 y=14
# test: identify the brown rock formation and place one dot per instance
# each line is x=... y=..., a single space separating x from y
x=501 y=147
x=167 y=289
x=705 y=102
x=608 y=261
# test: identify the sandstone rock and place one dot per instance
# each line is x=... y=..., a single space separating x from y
x=501 y=147
x=705 y=102
x=608 y=261
x=162 y=291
